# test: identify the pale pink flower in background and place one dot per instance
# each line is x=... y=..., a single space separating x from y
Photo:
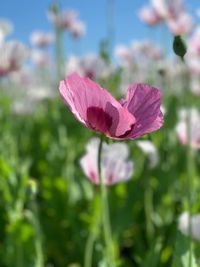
x=6 y=28
x=182 y=24
x=182 y=127
x=194 y=43
x=40 y=58
x=77 y=29
x=192 y=56
x=41 y=39
x=63 y=19
x=184 y=222
x=195 y=84
x=96 y=108
x=73 y=65
x=149 y=16
x=193 y=62
x=13 y=54
x=168 y=8
x=22 y=77
x=123 y=53
x=90 y=65
x=146 y=48
x=150 y=150
x=115 y=166
x=138 y=53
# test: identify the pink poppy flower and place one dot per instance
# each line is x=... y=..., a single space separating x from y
x=115 y=166
x=98 y=110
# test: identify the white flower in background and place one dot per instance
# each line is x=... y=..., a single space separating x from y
x=38 y=93
x=148 y=15
x=13 y=54
x=6 y=28
x=63 y=19
x=139 y=52
x=40 y=58
x=139 y=61
x=195 y=84
x=123 y=53
x=182 y=128
x=147 y=49
x=23 y=77
x=41 y=39
x=183 y=225
x=23 y=107
x=77 y=29
x=150 y=150
x=115 y=166
x=90 y=65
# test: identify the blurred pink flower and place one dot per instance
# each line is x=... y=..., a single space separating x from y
x=41 y=39
x=149 y=16
x=12 y=56
x=63 y=19
x=77 y=29
x=40 y=58
x=6 y=28
x=168 y=8
x=194 y=42
x=123 y=53
x=96 y=108
x=182 y=24
x=182 y=131
x=90 y=65
x=195 y=84
x=115 y=166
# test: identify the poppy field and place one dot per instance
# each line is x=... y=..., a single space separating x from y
x=99 y=153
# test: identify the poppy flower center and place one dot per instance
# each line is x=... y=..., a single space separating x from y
x=98 y=119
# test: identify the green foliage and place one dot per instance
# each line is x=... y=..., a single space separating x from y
x=48 y=208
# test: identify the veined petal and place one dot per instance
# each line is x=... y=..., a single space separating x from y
x=95 y=107
x=143 y=101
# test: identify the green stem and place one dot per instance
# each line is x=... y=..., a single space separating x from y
x=89 y=249
x=148 y=206
x=189 y=182
x=105 y=214
x=38 y=234
x=93 y=233
x=58 y=52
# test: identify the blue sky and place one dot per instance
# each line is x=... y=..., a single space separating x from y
x=30 y=15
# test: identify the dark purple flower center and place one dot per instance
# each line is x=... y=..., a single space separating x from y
x=98 y=119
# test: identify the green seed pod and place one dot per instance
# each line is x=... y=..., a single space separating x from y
x=179 y=46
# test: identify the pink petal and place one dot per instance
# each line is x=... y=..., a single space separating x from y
x=89 y=166
x=143 y=101
x=95 y=107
